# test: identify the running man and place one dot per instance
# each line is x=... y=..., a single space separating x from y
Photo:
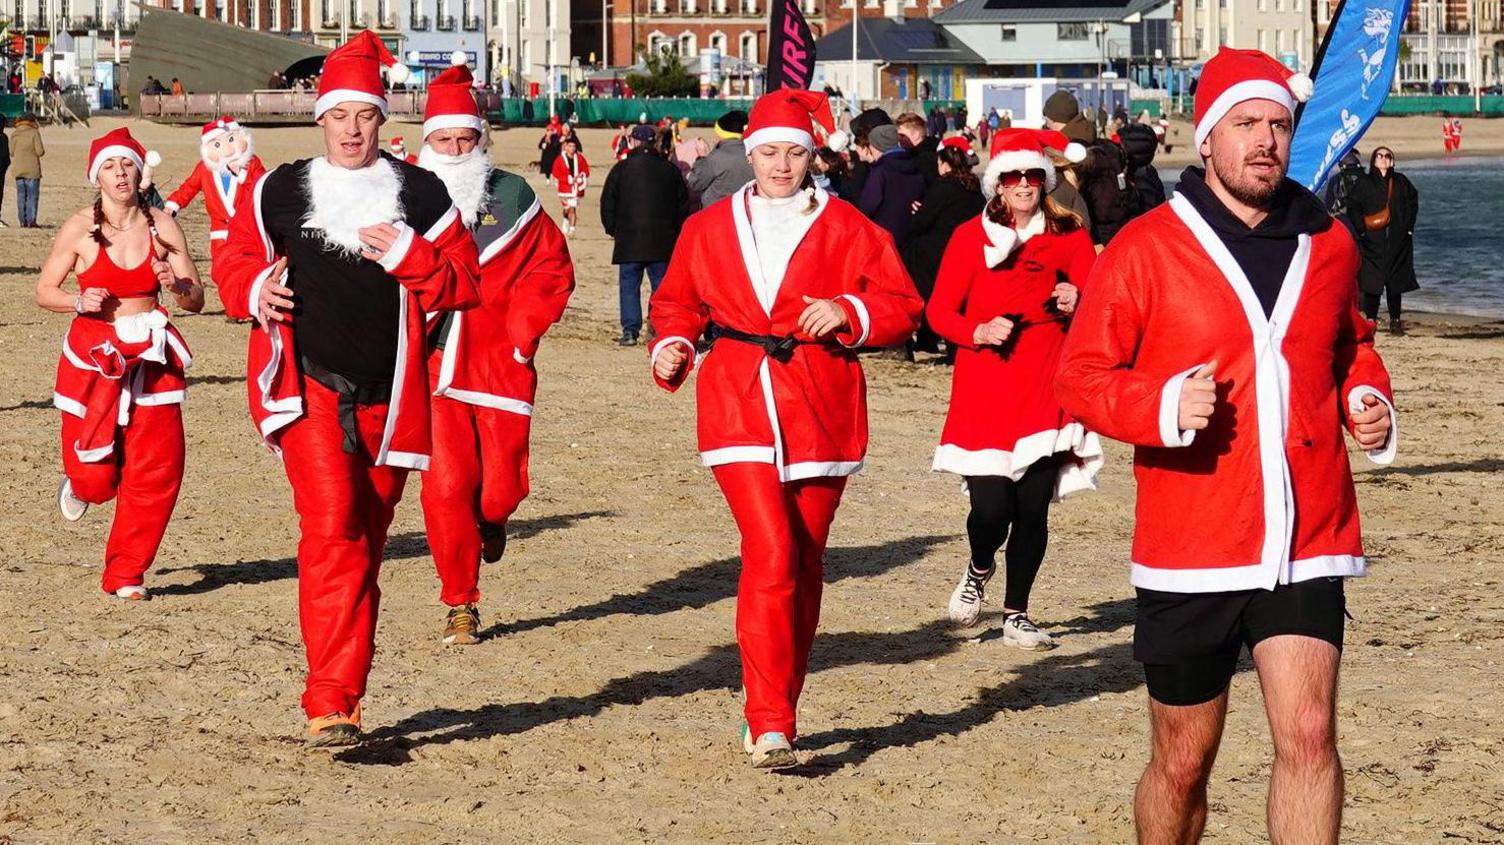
x=1220 y=334
x=572 y=172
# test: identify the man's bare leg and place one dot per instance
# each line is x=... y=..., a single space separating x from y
x=1170 y=805
x=1299 y=678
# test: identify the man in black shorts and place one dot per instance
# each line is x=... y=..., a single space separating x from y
x=1219 y=334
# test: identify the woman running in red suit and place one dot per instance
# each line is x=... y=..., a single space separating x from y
x=120 y=381
x=1006 y=289
x=782 y=400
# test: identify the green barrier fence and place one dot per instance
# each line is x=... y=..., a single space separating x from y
x=1397 y=106
x=12 y=105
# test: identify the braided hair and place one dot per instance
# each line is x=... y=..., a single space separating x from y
x=145 y=209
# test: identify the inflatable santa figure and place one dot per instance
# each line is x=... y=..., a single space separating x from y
x=227 y=165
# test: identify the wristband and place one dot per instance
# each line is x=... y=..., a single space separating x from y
x=78 y=304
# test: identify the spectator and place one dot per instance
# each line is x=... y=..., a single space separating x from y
x=924 y=89
x=177 y=87
x=831 y=171
x=952 y=199
x=549 y=145
x=725 y=169
x=893 y=184
x=643 y=207
x=1139 y=144
x=922 y=145
x=4 y=165
x=1383 y=208
x=1339 y=189
x=1106 y=177
x=936 y=124
x=26 y=153
x=860 y=126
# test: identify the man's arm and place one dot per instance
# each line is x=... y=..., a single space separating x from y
x=244 y=264
x=702 y=173
x=538 y=268
x=1362 y=378
x=608 y=200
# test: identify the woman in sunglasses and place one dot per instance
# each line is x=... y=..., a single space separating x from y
x=1008 y=284
x=1382 y=210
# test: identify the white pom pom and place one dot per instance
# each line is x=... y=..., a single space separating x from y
x=153 y=158
x=838 y=140
x=458 y=57
x=1301 y=86
x=1075 y=153
x=398 y=74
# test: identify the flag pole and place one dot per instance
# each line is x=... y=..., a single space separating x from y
x=1326 y=41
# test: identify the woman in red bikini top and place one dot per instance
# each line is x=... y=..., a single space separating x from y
x=120 y=380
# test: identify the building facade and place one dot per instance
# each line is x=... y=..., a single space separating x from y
x=735 y=28
x=1285 y=29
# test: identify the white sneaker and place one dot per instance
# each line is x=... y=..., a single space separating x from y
x=1019 y=632
x=772 y=750
x=966 y=600
x=73 y=507
x=133 y=593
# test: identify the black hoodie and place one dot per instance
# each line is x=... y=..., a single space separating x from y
x=1265 y=251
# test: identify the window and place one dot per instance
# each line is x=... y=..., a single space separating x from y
x=686 y=7
x=687 y=45
x=523 y=8
x=1263 y=41
x=1221 y=36
x=718 y=42
x=749 y=7
x=658 y=43
x=1200 y=40
x=1279 y=5
x=1263 y=5
x=748 y=46
x=1279 y=41
x=1072 y=31
x=1010 y=33
x=297 y=16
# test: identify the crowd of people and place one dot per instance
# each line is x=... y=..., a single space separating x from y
x=1218 y=332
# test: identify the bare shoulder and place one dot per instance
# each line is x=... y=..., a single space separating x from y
x=78 y=227
x=163 y=221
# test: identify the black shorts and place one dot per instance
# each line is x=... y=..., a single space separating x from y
x=1189 y=642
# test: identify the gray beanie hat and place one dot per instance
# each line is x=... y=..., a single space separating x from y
x=883 y=138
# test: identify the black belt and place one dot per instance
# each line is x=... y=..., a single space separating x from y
x=780 y=349
x=350 y=395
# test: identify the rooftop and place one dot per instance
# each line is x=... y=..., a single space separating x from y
x=1044 y=11
x=905 y=40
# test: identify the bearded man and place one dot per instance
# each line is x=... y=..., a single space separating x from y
x=227 y=164
x=481 y=366
x=1220 y=335
x=361 y=247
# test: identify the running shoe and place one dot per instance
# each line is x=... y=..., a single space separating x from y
x=463 y=626
x=772 y=750
x=1019 y=632
x=73 y=507
x=627 y=339
x=336 y=730
x=135 y=592
x=493 y=541
x=967 y=599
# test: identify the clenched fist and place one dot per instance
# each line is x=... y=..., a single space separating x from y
x=1198 y=398
x=1371 y=425
x=994 y=332
x=670 y=361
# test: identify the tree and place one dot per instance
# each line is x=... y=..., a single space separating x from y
x=665 y=77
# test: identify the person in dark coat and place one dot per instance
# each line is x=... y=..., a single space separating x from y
x=643 y=207
x=893 y=184
x=921 y=144
x=4 y=163
x=861 y=125
x=1382 y=209
x=952 y=199
x=1339 y=189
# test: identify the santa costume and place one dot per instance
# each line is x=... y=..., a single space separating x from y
x=571 y=174
x=481 y=367
x=1005 y=431
x=782 y=416
x=228 y=166
x=1262 y=500
x=342 y=391
x=120 y=387
x=398 y=149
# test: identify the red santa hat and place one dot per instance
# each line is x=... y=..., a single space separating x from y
x=451 y=105
x=397 y=144
x=352 y=73
x=215 y=128
x=1024 y=149
x=788 y=115
x=118 y=143
x=1237 y=76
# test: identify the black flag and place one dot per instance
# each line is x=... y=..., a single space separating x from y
x=791 y=48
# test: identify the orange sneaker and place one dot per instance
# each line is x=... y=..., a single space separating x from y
x=336 y=730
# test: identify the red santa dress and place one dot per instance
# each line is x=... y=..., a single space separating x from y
x=1003 y=413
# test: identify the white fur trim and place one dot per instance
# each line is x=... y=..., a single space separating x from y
x=1256 y=576
x=862 y=317
x=1074 y=152
x=165 y=397
x=1016 y=160
x=343 y=201
x=1242 y=92
x=820 y=469
x=113 y=151
x=519 y=357
x=1301 y=86
x=778 y=134
x=69 y=406
x=1384 y=455
x=172 y=207
x=442 y=225
x=153 y=158
x=397 y=74
x=404 y=242
x=384 y=455
x=328 y=101
x=459 y=58
x=219 y=234
x=453 y=121
x=490 y=400
x=1170 y=434
x=737 y=455
x=1073 y=439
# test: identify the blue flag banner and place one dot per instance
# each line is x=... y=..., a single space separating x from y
x=1352 y=73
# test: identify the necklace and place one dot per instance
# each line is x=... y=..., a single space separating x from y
x=112 y=225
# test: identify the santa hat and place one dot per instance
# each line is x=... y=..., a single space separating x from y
x=450 y=103
x=788 y=115
x=959 y=142
x=1237 y=76
x=352 y=73
x=397 y=144
x=1024 y=149
x=118 y=143
x=215 y=128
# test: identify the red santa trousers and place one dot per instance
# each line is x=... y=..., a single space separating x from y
x=345 y=506
x=478 y=474
x=784 y=528
x=144 y=474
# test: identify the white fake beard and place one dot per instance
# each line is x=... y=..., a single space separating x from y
x=341 y=201
x=238 y=163
x=465 y=176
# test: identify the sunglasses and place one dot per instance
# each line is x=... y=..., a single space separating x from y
x=1033 y=178
x=1389 y=156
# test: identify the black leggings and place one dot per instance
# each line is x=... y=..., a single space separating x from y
x=1371 y=305
x=1017 y=512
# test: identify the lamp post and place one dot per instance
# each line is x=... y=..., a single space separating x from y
x=856 y=89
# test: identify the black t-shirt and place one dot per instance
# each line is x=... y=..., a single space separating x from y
x=348 y=317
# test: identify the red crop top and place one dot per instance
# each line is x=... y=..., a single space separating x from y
x=121 y=283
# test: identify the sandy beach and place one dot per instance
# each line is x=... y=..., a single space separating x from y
x=604 y=706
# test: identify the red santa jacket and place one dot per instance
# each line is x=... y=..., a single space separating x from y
x=1003 y=413
x=808 y=416
x=526 y=278
x=102 y=375
x=571 y=181
x=218 y=203
x=436 y=269
x=1264 y=495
